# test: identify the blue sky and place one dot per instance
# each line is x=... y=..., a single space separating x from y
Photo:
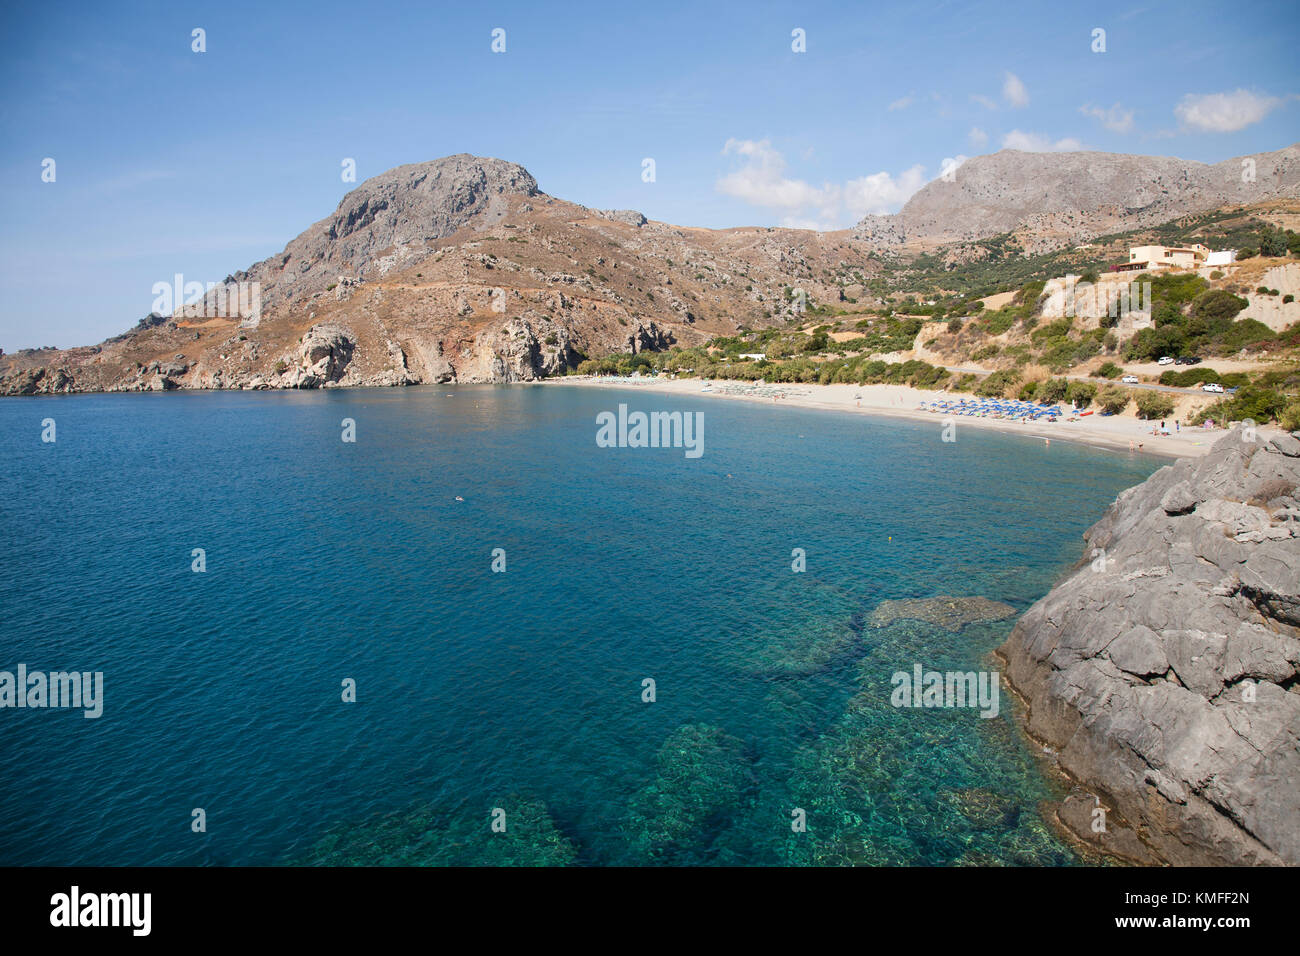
x=170 y=161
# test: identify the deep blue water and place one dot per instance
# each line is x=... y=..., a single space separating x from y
x=477 y=690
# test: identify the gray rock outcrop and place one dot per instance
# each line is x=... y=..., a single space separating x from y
x=325 y=353
x=649 y=338
x=1162 y=672
x=1078 y=194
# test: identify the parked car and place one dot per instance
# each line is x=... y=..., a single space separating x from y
x=1212 y=387
x=1166 y=360
x=1189 y=360
x=1129 y=379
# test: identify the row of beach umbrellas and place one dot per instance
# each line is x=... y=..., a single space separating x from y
x=1008 y=408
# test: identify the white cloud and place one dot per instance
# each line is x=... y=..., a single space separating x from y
x=983 y=101
x=1013 y=91
x=762 y=181
x=902 y=103
x=978 y=138
x=880 y=192
x=1224 y=112
x=1116 y=119
x=1037 y=143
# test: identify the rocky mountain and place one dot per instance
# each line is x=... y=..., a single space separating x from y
x=1057 y=199
x=1161 y=675
x=455 y=270
x=463 y=270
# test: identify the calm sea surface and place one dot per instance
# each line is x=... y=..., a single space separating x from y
x=519 y=692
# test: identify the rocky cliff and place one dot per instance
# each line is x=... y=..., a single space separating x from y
x=1161 y=674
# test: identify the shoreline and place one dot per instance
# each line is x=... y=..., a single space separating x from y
x=1123 y=433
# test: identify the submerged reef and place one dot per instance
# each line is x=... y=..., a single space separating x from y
x=424 y=835
x=951 y=613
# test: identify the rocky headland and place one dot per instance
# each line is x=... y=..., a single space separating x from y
x=1161 y=674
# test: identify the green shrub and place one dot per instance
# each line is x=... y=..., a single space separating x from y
x=1273 y=243
x=1053 y=390
x=1081 y=394
x=1112 y=399
x=1217 y=305
x=997 y=384
x=1154 y=405
x=995 y=323
x=1246 y=332
x=1108 y=370
x=1259 y=403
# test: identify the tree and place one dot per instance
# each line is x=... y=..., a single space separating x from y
x=1273 y=244
x=954 y=326
x=1112 y=399
x=1053 y=390
x=1081 y=394
x=1154 y=405
x=996 y=385
x=1217 y=306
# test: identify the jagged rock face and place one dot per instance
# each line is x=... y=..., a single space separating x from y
x=1163 y=670
x=370 y=232
x=325 y=353
x=649 y=338
x=1078 y=195
x=522 y=350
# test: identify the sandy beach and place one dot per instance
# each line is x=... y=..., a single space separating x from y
x=1123 y=432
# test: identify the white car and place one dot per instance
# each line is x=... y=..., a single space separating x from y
x=1166 y=360
x=1129 y=379
x=1212 y=387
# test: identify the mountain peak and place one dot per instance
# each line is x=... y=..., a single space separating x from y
x=407 y=206
x=1065 y=197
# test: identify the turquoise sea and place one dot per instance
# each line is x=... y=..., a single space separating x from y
x=518 y=691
